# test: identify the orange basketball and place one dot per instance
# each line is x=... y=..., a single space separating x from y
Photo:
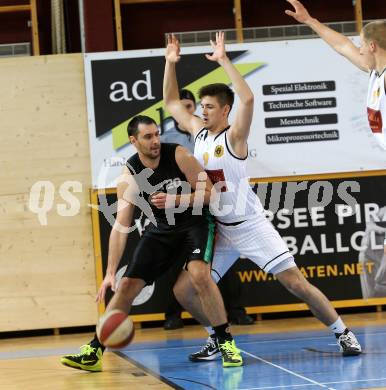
x=115 y=329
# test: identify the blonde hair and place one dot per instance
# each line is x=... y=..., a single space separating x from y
x=375 y=31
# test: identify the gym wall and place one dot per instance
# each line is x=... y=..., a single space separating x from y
x=47 y=271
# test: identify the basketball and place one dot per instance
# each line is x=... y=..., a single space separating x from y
x=115 y=329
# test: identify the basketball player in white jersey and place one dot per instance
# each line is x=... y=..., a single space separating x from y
x=370 y=57
x=242 y=227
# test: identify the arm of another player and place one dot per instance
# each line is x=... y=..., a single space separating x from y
x=171 y=97
x=340 y=43
x=126 y=188
x=239 y=130
x=197 y=179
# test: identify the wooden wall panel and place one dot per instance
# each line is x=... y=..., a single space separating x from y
x=44 y=312
x=47 y=272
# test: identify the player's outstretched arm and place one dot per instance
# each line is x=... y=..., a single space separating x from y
x=197 y=179
x=239 y=131
x=340 y=43
x=170 y=90
x=196 y=176
x=119 y=232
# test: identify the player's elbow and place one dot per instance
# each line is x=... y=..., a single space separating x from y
x=168 y=103
x=121 y=226
x=344 y=47
x=340 y=49
x=172 y=105
x=249 y=100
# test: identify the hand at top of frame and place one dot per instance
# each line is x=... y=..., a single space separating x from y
x=301 y=14
x=173 y=49
x=218 y=48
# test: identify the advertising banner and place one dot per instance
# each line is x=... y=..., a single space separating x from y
x=309 y=117
x=334 y=228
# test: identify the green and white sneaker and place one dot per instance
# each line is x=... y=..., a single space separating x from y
x=89 y=359
x=230 y=354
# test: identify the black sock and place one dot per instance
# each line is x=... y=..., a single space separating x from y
x=337 y=335
x=222 y=333
x=95 y=343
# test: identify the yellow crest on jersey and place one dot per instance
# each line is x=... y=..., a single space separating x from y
x=376 y=95
x=219 y=151
x=205 y=156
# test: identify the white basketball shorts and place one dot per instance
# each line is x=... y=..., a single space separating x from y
x=255 y=239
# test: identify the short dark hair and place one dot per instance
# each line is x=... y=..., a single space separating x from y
x=221 y=91
x=186 y=94
x=132 y=127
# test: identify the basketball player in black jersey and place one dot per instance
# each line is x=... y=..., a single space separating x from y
x=178 y=219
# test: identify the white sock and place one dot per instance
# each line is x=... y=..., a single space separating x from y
x=209 y=329
x=338 y=326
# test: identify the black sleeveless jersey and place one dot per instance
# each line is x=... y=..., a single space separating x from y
x=167 y=177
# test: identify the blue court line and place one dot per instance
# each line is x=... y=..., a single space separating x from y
x=149 y=371
x=308 y=385
x=272 y=362
x=284 y=369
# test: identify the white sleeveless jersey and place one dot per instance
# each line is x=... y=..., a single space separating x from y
x=229 y=175
x=376 y=106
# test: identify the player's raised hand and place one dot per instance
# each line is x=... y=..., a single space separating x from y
x=301 y=14
x=172 y=49
x=218 y=48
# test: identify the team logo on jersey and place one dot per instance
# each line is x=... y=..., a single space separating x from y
x=219 y=151
x=376 y=95
x=205 y=156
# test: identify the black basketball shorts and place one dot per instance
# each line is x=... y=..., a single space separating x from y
x=162 y=246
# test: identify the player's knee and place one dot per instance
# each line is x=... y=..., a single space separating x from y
x=295 y=283
x=200 y=274
x=129 y=286
x=124 y=285
x=298 y=287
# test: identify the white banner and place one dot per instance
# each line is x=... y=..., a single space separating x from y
x=310 y=106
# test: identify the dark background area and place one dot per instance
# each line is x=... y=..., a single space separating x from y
x=145 y=24
x=270 y=292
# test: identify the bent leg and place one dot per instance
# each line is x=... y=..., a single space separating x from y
x=127 y=291
x=187 y=296
x=294 y=281
x=210 y=297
